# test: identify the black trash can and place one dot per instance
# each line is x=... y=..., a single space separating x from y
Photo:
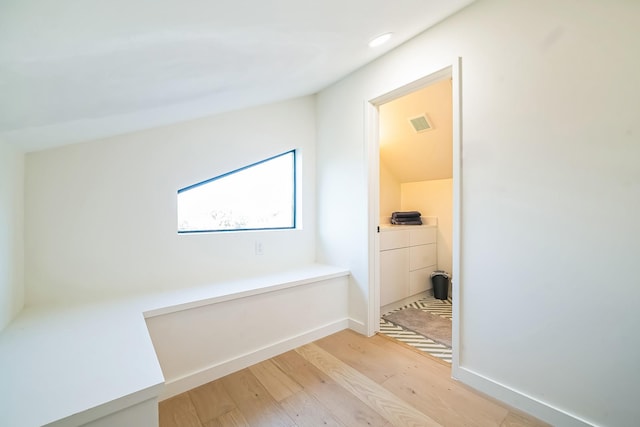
x=440 y=281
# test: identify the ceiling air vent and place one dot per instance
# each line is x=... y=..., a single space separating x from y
x=421 y=123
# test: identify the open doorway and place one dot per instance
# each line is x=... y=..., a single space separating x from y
x=416 y=182
x=414 y=150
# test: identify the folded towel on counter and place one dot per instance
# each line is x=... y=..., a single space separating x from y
x=408 y=214
x=406 y=221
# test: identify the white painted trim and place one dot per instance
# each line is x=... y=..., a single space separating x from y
x=438 y=74
x=456 y=238
x=187 y=299
x=218 y=370
x=358 y=326
x=372 y=150
x=529 y=404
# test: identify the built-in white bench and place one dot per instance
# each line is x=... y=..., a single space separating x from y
x=109 y=363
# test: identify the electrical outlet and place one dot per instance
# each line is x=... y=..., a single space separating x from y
x=259 y=248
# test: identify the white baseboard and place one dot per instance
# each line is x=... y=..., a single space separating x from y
x=220 y=369
x=518 y=400
x=401 y=303
x=358 y=326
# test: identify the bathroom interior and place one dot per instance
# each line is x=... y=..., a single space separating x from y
x=416 y=175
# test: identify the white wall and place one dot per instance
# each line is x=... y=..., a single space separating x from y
x=11 y=233
x=550 y=195
x=101 y=215
x=434 y=198
x=389 y=193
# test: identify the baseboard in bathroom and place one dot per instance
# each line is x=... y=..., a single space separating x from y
x=397 y=304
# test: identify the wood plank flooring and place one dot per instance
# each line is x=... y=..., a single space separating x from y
x=345 y=379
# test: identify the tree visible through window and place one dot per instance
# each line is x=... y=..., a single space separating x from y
x=258 y=196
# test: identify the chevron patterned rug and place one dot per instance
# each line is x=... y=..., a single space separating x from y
x=424 y=323
x=426 y=303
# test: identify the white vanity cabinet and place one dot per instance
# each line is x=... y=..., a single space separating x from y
x=407 y=259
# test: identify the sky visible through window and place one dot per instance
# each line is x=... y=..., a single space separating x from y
x=260 y=196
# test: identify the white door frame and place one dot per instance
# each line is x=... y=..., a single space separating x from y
x=453 y=71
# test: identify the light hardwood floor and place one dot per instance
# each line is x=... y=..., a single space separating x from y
x=345 y=379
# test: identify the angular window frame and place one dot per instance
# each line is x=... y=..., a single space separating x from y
x=294 y=196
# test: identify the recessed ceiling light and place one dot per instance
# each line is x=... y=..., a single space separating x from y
x=380 y=39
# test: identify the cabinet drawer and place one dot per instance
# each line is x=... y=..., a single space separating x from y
x=394 y=275
x=394 y=239
x=420 y=280
x=422 y=256
x=422 y=236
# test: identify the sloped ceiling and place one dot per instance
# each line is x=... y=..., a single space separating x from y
x=411 y=156
x=77 y=70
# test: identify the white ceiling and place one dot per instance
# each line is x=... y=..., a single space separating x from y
x=75 y=70
x=411 y=156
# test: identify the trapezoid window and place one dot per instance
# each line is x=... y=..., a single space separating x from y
x=260 y=196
